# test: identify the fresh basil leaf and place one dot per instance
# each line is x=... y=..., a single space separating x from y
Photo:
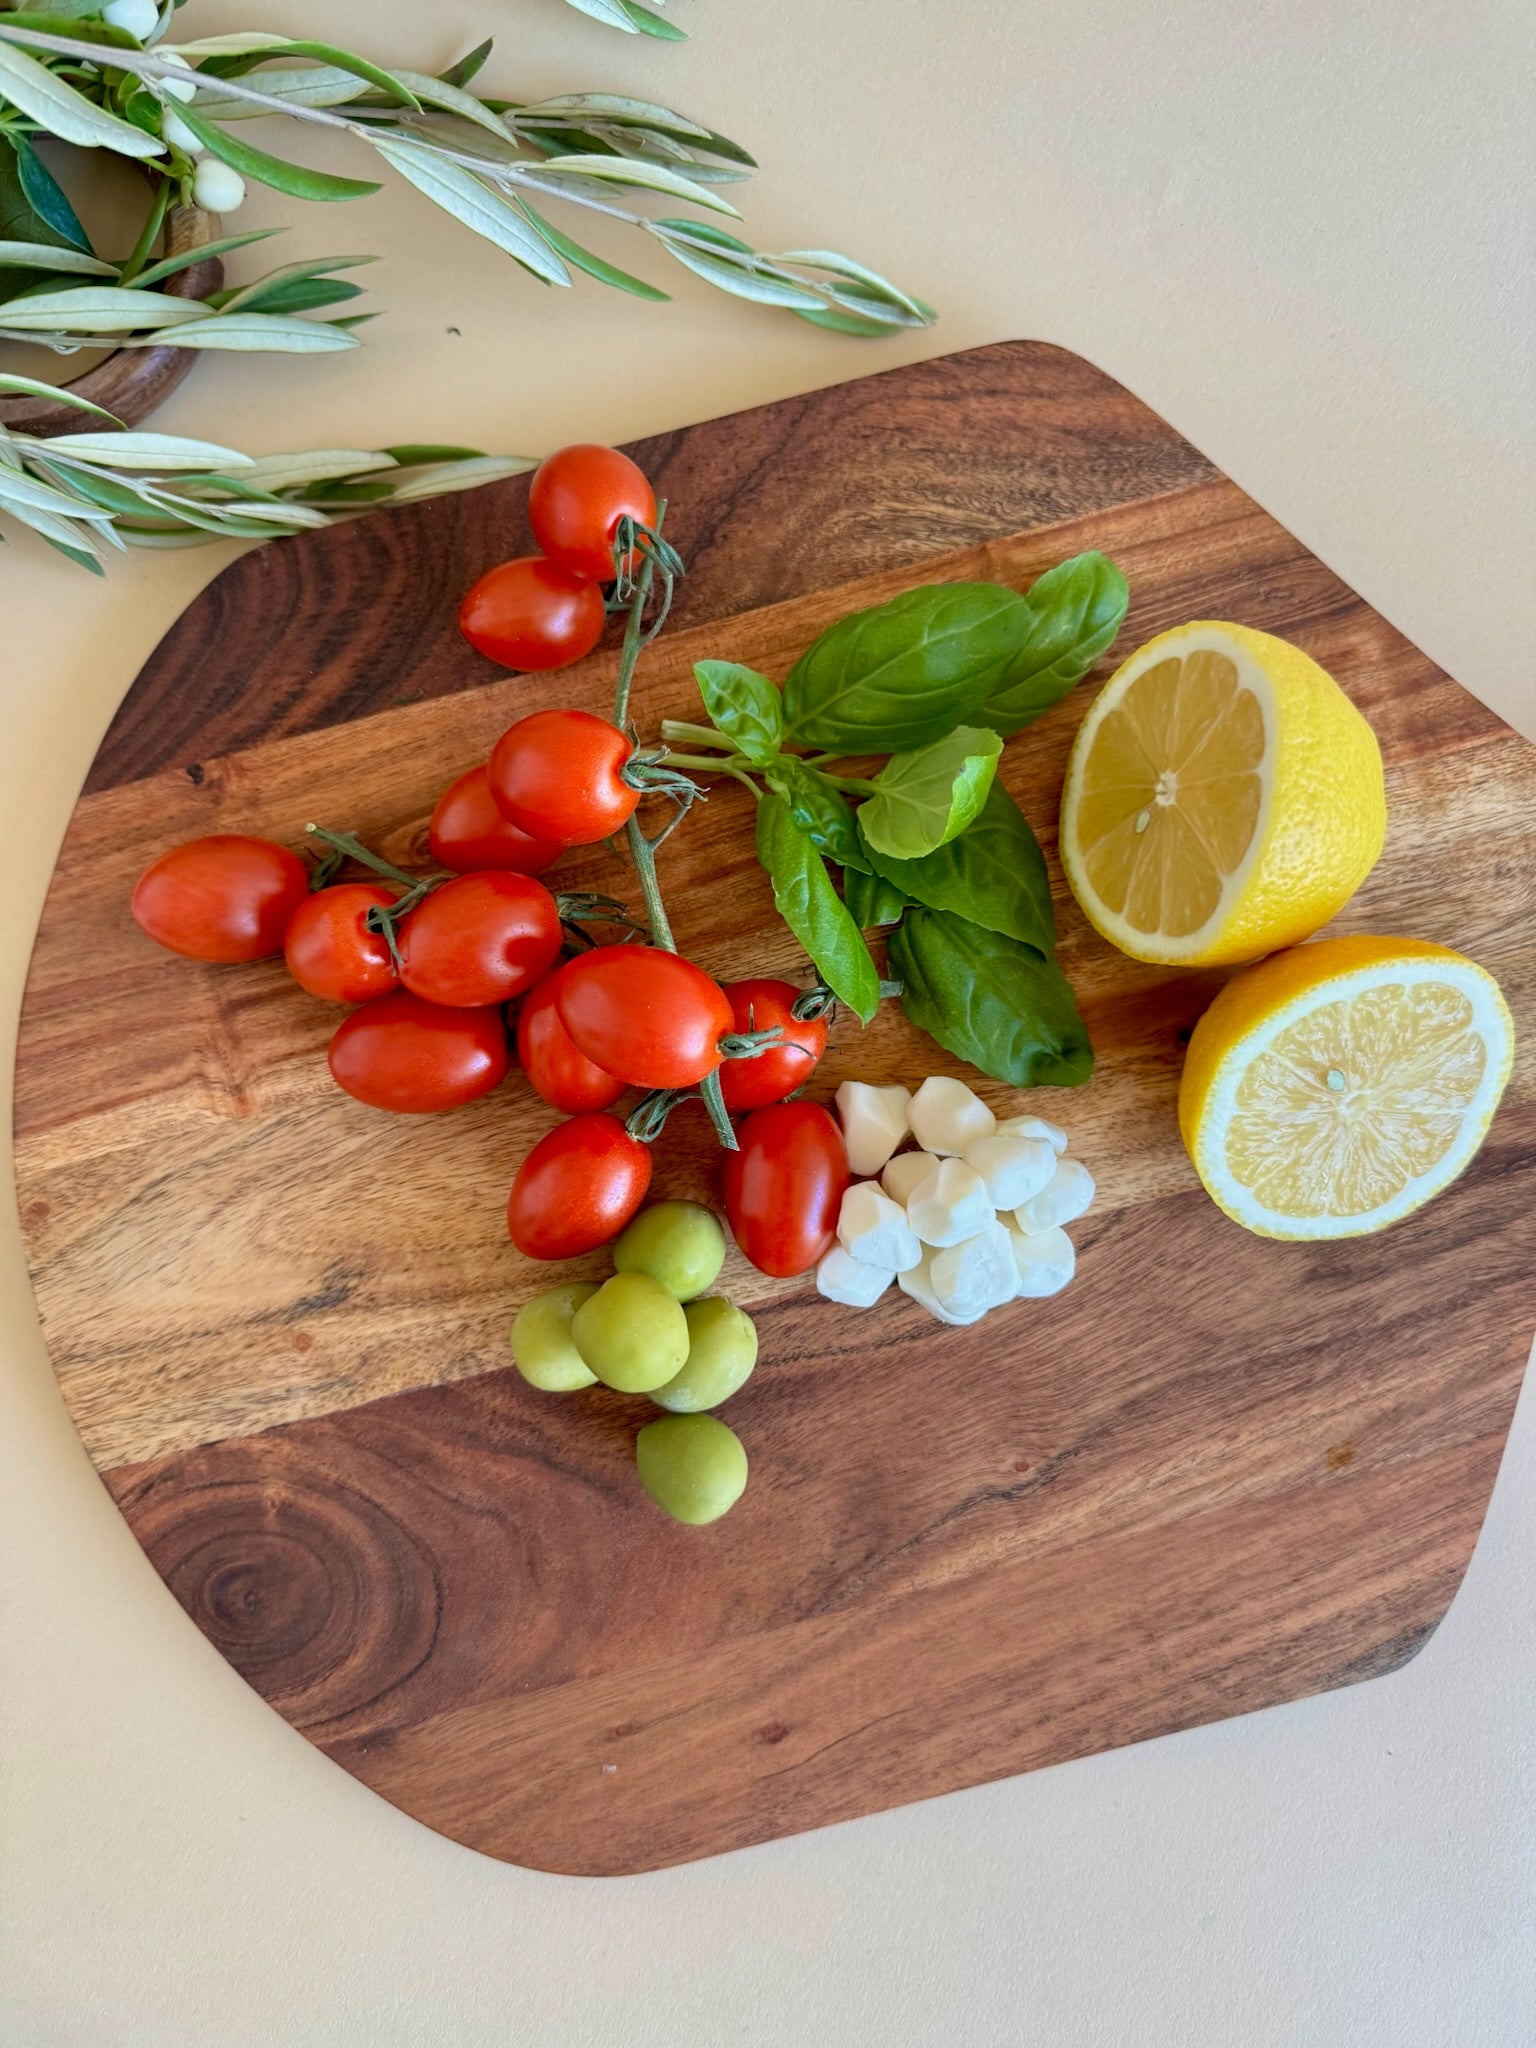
x=925 y=799
x=990 y=1001
x=902 y=674
x=820 y=810
x=46 y=197
x=813 y=910
x=1077 y=609
x=294 y=179
x=872 y=900
x=744 y=706
x=993 y=875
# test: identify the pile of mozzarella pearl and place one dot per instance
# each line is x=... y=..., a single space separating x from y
x=969 y=1220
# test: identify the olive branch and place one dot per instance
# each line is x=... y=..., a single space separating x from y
x=497 y=166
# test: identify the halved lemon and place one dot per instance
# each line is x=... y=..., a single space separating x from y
x=1336 y=1087
x=1224 y=798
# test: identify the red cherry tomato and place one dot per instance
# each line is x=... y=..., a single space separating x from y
x=479 y=939
x=468 y=831
x=782 y=1068
x=644 y=1015
x=330 y=950
x=224 y=898
x=783 y=1189
x=577 y=1188
x=576 y=500
x=403 y=1054
x=531 y=614
x=555 y=774
x=555 y=1068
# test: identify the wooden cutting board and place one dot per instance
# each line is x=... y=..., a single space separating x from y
x=1217 y=1473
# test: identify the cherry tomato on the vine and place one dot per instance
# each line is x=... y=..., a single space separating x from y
x=784 y=1187
x=555 y=1067
x=532 y=614
x=780 y=1069
x=469 y=831
x=577 y=1188
x=575 y=502
x=480 y=938
x=330 y=950
x=644 y=1015
x=224 y=898
x=404 y=1054
x=556 y=775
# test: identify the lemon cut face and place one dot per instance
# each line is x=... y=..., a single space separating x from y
x=1224 y=798
x=1338 y=1087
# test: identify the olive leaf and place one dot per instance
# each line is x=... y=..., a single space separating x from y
x=61 y=111
x=820 y=810
x=93 y=489
x=924 y=799
x=994 y=875
x=744 y=706
x=806 y=900
x=990 y=1000
x=296 y=179
x=902 y=674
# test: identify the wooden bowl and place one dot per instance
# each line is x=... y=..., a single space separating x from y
x=131 y=382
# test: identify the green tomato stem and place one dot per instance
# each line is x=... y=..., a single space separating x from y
x=643 y=854
x=697 y=735
x=354 y=849
x=713 y=1098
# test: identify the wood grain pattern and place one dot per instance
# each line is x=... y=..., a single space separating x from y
x=1216 y=1473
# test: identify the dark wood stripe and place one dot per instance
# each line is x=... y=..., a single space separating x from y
x=785 y=498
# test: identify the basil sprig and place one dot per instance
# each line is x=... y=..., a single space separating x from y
x=938 y=852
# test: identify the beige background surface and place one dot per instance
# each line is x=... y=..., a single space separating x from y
x=1302 y=232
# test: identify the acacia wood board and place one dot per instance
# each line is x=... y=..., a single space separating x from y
x=1215 y=1474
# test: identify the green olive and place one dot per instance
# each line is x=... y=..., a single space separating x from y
x=722 y=1350
x=543 y=1349
x=632 y=1333
x=680 y=1244
x=692 y=1466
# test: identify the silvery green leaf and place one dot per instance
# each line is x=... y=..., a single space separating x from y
x=320 y=85
x=41 y=256
x=100 y=308
x=270 y=519
x=144 y=451
x=151 y=537
x=17 y=489
x=613 y=170
x=292 y=472
x=33 y=387
x=315 y=266
x=169 y=265
x=433 y=92
x=844 y=266
x=72 y=539
x=460 y=476
x=608 y=106
x=260 y=331
x=66 y=113
x=461 y=193
x=610 y=12
x=242 y=44
x=731 y=277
